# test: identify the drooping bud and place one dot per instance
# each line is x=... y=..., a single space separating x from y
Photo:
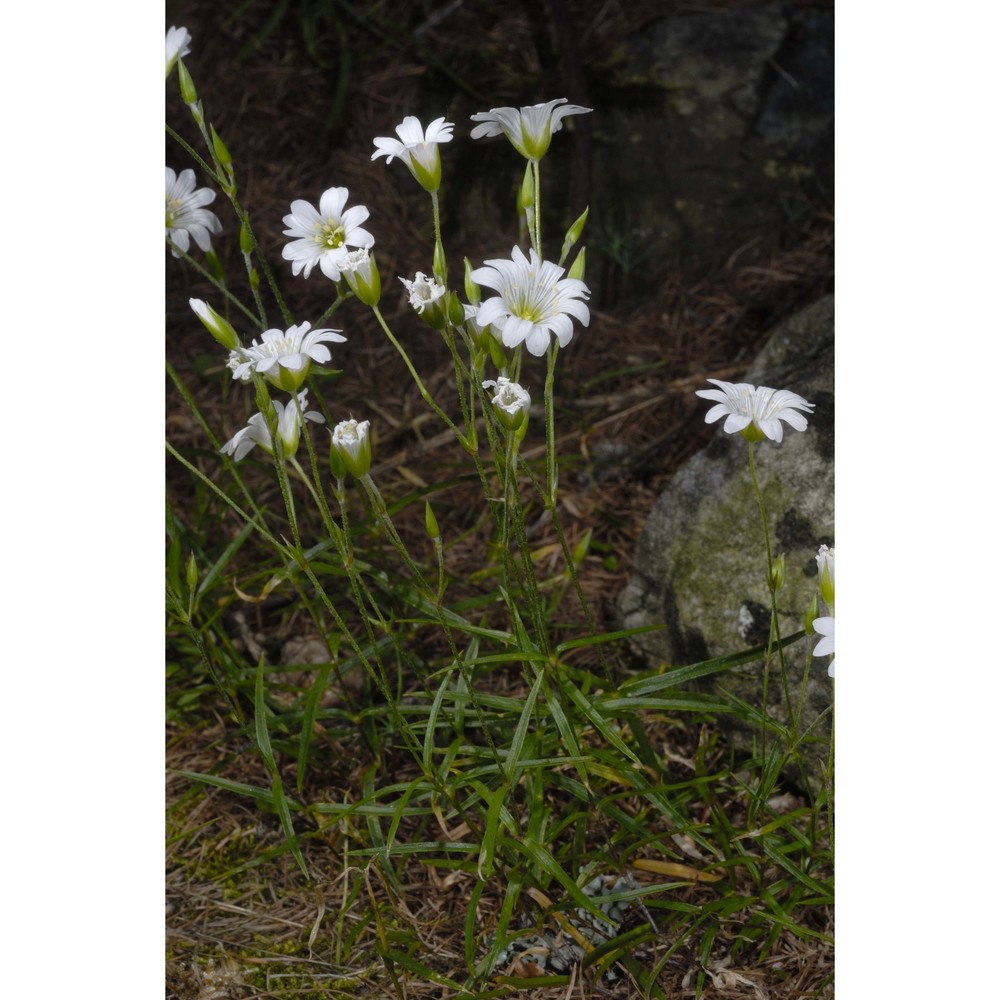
x=217 y=326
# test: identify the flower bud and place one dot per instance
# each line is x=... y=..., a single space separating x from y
x=497 y=355
x=811 y=612
x=191 y=573
x=526 y=193
x=472 y=290
x=246 y=240
x=221 y=152
x=440 y=265
x=188 y=92
x=354 y=446
x=216 y=325
x=579 y=265
x=573 y=234
x=361 y=274
x=430 y=521
x=824 y=564
x=777 y=576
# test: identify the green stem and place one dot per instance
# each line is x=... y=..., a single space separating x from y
x=536 y=235
x=551 y=468
x=427 y=397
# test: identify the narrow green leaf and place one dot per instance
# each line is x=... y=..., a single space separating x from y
x=517 y=743
x=291 y=837
x=597 y=720
x=309 y=720
x=260 y=720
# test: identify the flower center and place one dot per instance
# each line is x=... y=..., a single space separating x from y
x=173 y=210
x=532 y=301
x=330 y=234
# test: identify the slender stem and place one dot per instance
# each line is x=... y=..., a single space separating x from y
x=551 y=469
x=427 y=397
x=536 y=235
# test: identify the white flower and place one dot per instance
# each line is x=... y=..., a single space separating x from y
x=352 y=443
x=824 y=563
x=324 y=237
x=417 y=149
x=256 y=431
x=187 y=218
x=534 y=301
x=423 y=291
x=178 y=46
x=284 y=358
x=824 y=626
x=361 y=274
x=512 y=401
x=530 y=128
x=755 y=411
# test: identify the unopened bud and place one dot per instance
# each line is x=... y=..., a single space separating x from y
x=188 y=92
x=777 y=577
x=574 y=233
x=217 y=326
x=811 y=612
x=472 y=290
x=191 y=573
x=430 y=521
x=579 y=267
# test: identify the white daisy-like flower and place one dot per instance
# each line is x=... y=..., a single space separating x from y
x=529 y=128
x=755 y=411
x=353 y=444
x=417 y=148
x=256 y=430
x=284 y=357
x=535 y=301
x=178 y=46
x=424 y=291
x=324 y=237
x=187 y=217
x=825 y=647
x=512 y=401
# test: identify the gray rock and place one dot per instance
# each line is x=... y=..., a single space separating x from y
x=715 y=133
x=701 y=565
